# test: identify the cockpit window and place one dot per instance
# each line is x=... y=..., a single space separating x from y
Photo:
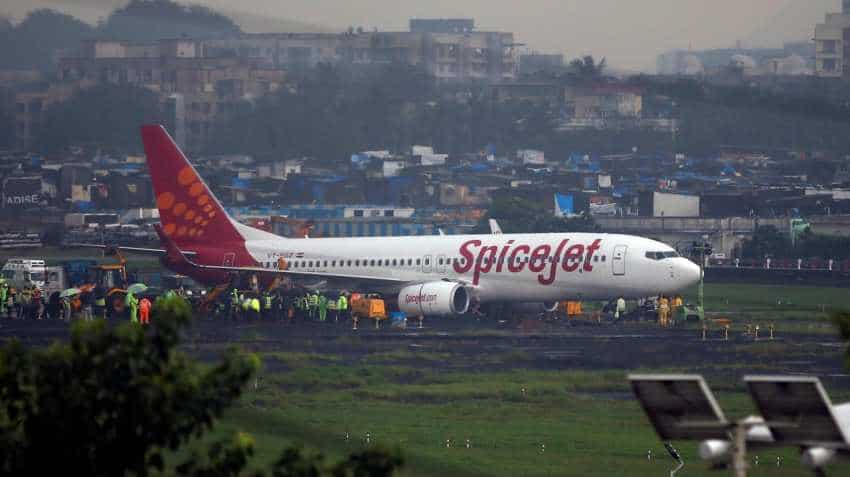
x=661 y=255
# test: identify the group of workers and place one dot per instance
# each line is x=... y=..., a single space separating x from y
x=24 y=303
x=667 y=308
x=663 y=308
x=290 y=304
x=29 y=303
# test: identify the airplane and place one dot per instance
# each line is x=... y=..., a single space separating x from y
x=429 y=275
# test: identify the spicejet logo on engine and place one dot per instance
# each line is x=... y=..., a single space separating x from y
x=420 y=299
x=486 y=259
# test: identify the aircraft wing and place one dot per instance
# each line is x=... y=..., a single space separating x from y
x=139 y=250
x=178 y=257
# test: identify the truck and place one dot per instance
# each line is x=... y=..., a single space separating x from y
x=24 y=272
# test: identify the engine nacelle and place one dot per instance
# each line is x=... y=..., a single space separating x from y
x=434 y=299
x=817 y=457
x=535 y=307
x=715 y=450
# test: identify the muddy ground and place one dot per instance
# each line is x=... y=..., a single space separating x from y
x=525 y=345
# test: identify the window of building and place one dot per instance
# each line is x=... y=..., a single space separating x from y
x=830 y=64
x=358 y=213
x=829 y=46
x=389 y=213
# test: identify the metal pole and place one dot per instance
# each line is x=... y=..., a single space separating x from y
x=740 y=458
x=701 y=292
x=677 y=469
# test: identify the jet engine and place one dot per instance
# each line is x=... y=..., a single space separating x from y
x=434 y=298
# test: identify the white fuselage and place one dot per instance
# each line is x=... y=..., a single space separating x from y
x=496 y=268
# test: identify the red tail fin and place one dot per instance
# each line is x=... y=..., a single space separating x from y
x=189 y=212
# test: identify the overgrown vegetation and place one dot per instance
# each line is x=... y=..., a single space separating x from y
x=770 y=242
x=119 y=401
x=35 y=42
x=108 y=115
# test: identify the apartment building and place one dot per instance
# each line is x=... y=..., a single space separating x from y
x=197 y=83
x=832 y=44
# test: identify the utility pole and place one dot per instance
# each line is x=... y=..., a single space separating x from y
x=739 y=459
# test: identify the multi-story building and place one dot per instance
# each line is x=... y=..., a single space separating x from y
x=196 y=82
x=832 y=44
x=450 y=50
x=199 y=80
x=31 y=108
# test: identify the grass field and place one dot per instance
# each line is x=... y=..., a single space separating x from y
x=563 y=423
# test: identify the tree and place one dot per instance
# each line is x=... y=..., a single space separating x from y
x=34 y=42
x=107 y=115
x=767 y=241
x=518 y=215
x=7 y=126
x=152 y=20
x=586 y=70
x=114 y=400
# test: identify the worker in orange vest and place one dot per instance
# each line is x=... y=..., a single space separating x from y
x=145 y=311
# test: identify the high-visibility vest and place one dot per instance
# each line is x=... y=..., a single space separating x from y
x=268 y=302
x=255 y=304
x=342 y=303
x=100 y=301
x=314 y=300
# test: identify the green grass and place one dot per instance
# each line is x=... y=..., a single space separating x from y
x=587 y=420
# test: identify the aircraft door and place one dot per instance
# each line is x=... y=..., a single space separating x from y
x=229 y=259
x=618 y=261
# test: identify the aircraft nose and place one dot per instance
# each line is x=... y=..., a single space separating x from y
x=690 y=272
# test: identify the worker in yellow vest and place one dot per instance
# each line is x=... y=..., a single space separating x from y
x=663 y=311
x=342 y=307
x=255 y=307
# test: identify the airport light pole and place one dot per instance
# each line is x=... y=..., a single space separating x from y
x=704 y=249
x=676 y=457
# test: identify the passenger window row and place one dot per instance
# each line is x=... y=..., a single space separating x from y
x=409 y=262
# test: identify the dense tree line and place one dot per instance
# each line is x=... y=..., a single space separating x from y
x=335 y=113
x=768 y=241
x=151 y=20
x=124 y=400
x=35 y=42
x=712 y=115
x=106 y=115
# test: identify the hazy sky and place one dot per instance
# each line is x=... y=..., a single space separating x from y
x=630 y=33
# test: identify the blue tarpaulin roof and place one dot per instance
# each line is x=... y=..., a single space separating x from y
x=564 y=204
